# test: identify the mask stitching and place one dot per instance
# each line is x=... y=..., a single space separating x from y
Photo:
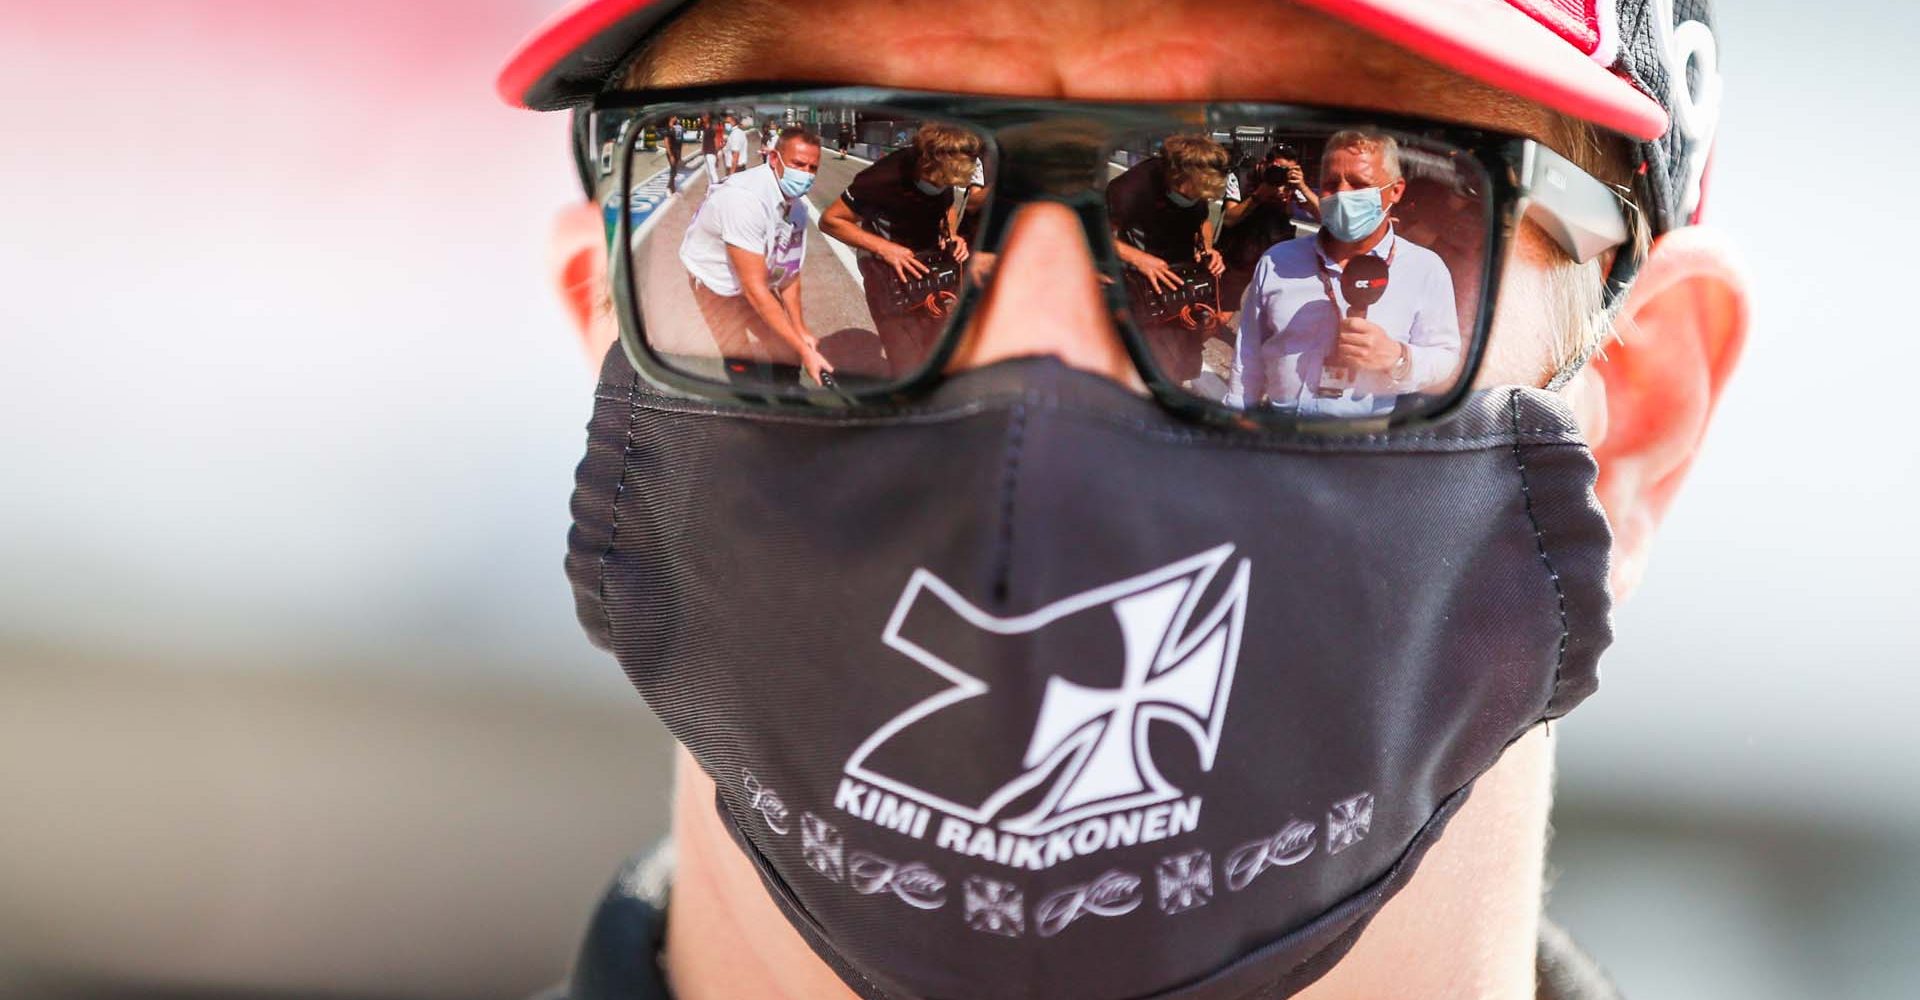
x=1009 y=478
x=619 y=490
x=1357 y=443
x=1350 y=444
x=1540 y=544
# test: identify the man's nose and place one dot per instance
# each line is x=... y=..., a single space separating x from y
x=1044 y=297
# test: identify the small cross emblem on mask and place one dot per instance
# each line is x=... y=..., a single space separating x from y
x=823 y=847
x=995 y=907
x=1186 y=882
x=1348 y=822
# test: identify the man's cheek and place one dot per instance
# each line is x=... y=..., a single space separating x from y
x=1520 y=346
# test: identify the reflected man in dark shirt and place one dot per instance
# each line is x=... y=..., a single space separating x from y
x=1162 y=220
x=900 y=215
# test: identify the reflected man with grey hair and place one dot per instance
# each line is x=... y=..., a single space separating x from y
x=1302 y=346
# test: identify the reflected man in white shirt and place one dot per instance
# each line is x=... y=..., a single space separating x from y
x=1299 y=346
x=744 y=252
x=735 y=151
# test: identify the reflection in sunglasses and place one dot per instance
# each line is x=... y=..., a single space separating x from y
x=1324 y=272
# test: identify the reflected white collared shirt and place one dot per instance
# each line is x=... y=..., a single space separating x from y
x=748 y=211
x=1288 y=325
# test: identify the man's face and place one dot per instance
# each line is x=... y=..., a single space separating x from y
x=1354 y=168
x=1194 y=188
x=1121 y=50
x=1044 y=299
x=1278 y=169
x=948 y=171
x=799 y=154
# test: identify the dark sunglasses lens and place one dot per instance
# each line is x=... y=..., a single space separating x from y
x=1328 y=274
x=776 y=247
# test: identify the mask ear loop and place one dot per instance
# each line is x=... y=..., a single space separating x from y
x=1613 y=302
x=1568 y=371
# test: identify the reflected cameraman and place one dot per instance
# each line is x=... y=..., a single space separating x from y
x=1262 y=204
x=1163 y=232
x=900 y=215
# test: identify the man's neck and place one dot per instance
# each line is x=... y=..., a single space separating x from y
x=725 y=936
x=1340 y=253
x=1466 y=925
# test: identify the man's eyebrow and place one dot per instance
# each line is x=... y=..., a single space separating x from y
x=694 y=55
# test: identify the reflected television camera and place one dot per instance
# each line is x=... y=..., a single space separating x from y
x=933 y=293
x=1194 y=305
x=1276 y=174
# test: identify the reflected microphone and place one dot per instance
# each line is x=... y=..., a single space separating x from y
x=1363 y=281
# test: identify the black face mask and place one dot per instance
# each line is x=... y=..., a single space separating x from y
x=1033 y=690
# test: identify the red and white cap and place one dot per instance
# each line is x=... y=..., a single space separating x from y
x=1646 y=69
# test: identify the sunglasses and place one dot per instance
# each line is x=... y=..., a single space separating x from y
x=832 y=260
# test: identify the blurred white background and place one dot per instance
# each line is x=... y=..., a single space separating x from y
x=292 y=701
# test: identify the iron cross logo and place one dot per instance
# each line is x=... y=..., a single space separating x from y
x=1086 y=778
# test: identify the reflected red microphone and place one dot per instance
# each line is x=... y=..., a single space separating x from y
x=1363 y=281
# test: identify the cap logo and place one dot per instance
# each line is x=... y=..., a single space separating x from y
x=1667 y=48
x=1693 y=98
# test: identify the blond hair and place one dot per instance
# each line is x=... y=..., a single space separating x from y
x=945 y=154
x=1195 y=163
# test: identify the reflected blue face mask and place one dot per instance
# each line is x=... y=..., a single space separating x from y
x=794 y=182
x=1352 y=216
x=1180 y=200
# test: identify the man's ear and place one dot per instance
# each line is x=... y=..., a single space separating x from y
x=577 y=266
x=1682 y=331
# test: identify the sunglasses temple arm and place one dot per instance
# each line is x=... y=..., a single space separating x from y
x=1585 y=217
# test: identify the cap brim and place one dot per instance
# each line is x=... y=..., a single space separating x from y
x=573 y=55
x=1504 y=48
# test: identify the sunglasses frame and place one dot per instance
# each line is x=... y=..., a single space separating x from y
x=1528 y=180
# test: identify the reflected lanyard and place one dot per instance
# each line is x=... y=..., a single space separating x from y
x=1326 y=283
x=1335 y=380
